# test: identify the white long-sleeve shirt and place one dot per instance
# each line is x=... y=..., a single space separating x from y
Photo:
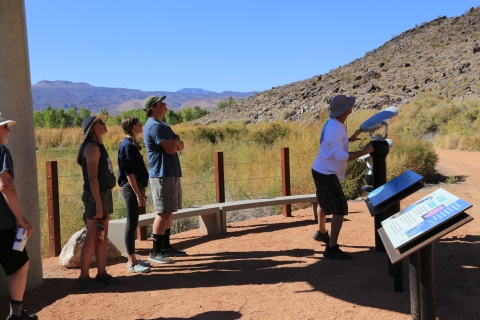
x=332 y=155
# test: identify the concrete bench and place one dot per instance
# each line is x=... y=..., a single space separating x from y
x=213 y=217
x=210 y=223
x=266 y=202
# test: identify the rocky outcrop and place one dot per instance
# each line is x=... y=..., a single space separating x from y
x=70 y=255
x=440 y=55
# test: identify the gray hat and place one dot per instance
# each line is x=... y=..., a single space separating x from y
x=4 y=121
x=88 y=122
x=339 y=104
x=151 y=100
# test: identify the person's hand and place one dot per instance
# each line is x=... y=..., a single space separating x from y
x=28 y=229
x=142 y=200
x=368 y=148
x=99 y=214
x=354 y=136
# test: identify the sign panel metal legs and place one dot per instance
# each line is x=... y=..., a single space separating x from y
x=422 y=284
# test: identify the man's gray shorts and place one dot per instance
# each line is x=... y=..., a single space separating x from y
x=166 y=194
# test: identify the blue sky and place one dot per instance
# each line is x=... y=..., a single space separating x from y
x=237 y=45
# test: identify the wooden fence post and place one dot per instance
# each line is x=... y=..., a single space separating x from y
x=53 y=208
x=287 y=208
x=219 y=177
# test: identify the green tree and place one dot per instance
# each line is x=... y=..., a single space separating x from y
x=187 y=114
x=173 y=118
x=38 y=120
x=50 y=117
x=70 y=116
x=221 y=105
x=199 y=112
x=82 y=115
x=230 y=101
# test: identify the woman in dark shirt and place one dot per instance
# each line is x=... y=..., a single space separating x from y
x=98 y=181
x=133 y=178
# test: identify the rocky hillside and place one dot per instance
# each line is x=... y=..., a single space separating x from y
x=442 y=55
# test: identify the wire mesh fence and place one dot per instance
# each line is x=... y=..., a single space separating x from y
x=243 y=180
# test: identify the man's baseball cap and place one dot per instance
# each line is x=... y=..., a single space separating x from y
x=150 y=101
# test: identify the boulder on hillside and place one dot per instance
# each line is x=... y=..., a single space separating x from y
x=70 y=255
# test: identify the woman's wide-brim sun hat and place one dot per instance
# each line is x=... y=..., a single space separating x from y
x=340 y=104
x=88 y=123
x=7 y=122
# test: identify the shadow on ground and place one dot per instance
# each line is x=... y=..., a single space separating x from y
x=364 y=281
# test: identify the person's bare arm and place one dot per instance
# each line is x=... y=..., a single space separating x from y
x=7 y=188
x=179 y=143
x=357 y=154
x=92 y=156
x=172 y=145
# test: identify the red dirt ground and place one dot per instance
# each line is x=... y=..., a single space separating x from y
x=270 y=268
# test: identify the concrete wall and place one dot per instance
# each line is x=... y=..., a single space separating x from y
x=16 y=104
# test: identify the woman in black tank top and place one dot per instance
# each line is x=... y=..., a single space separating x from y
x=97 y=197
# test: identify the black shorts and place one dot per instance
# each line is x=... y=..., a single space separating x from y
x=11 y=260
x=330 y=194
x=91 y=208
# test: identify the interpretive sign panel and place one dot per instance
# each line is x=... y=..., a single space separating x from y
x=422 y=216
x=393 y=187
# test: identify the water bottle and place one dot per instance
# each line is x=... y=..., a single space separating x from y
x=100 y=235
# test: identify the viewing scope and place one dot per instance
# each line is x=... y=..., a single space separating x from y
x=379 y=120
x=369 y=173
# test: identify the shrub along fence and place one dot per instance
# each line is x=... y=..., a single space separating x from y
x=53 y=197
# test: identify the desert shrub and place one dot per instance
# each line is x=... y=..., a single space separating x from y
x=285 y=114
x=268 y=136
x=210 y=134
x=451 y=180
x=469 y=143
x=354 y=179
x=417 y=155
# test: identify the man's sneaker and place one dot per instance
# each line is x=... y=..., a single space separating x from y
x=157 y=257
x=335 y=253
x=107 y=279
x=140 y=262
x=23 y=316
x=89 y=284
x=321 y=237
x=138 y=268
x=172 y=252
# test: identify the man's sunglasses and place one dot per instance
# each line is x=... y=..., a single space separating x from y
x=6 y=127
x=101 y=122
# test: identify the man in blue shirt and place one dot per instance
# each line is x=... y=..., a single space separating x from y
x=164 y=176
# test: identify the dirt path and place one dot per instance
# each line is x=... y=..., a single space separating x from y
x=270 y=268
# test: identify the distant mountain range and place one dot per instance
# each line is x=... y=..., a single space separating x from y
x=65 y=94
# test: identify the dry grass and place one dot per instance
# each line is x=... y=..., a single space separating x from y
x=252 y=168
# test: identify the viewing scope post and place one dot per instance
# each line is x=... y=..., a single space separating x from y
x=378 y=168
x=376 y=176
